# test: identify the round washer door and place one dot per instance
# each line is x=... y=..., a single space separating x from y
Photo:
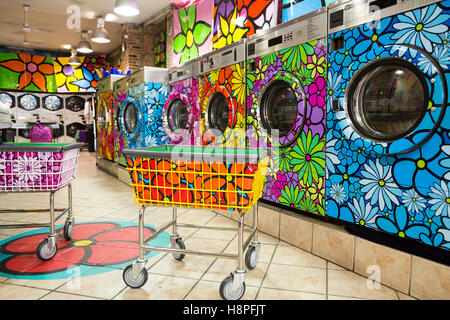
x=178 y=117
x=7 y=99
x=388 y=100
x=75 y=103
x=29 y=102
x=220 y=115
x=130 y=118
x=53 y=103
x=102 y=111
x=282 y=107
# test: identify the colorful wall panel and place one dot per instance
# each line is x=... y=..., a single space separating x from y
x=192 y=30
x=295 y=8
x=236 y=19
x=26 y=72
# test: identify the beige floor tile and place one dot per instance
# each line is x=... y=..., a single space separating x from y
x=331 y=297
x=159 y=287
x=349 y=284
x=287 y=254
x=40 y=284
x=65 y=296
x=222 y=268
x=265 y=251
x=403 y=296
x=104 y=285
x=209 y=290
x=192 y=266
x=332 y=266
x=13 y=292
x=295 y=278
x=274 y=294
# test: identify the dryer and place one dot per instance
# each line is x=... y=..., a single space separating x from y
x=8 y=98
x=388 y=128
x=181 y=116
x=104 y=117
x=74 y=114
x=27 y=111
x=222 y=94
x=140 y=115
x=51 y=114
x=286 y=80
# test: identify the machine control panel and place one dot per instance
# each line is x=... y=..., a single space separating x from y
x=230 y=55
x=344 y=14
x=309 y=27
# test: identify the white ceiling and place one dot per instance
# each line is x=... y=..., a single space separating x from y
x=47 y=19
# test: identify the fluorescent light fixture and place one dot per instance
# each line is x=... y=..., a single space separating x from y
x=74 y=60
x=126 y=8
x=101 y=35
x=110 y=17
x=66 y=46
x=84 y=46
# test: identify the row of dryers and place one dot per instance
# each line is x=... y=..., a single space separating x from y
x=356 y=94
x=63 y=112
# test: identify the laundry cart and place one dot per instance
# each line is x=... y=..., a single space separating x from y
x=40 y=167
x=221 y=178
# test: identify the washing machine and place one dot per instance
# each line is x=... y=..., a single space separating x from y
x=27 y=114
x=8 y=98
x=181 y=115
x=120 y=140
x=51 y=114
x=387 y=119
x=74 y=115
x=104 y=117
x=286 y=80
x=140 y=115
x=222 y=95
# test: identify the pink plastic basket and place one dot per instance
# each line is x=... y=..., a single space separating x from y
x=37 y=166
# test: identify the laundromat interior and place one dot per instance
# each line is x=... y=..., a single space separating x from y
x=225 y=150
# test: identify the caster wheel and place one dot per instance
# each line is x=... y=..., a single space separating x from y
x=179 y=244
x=68 y=229
x=251 y=258
x=46 y=251
x=226 y=289
x=135 y=283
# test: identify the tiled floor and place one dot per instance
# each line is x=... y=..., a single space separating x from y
x=283 y=272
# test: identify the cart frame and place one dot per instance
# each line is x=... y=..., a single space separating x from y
x=238 y=276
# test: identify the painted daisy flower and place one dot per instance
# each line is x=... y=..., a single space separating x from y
x=413 y=201
x=363 y=212
x=440 y=199
x=27 y=169
x=379 y=185
x=337 y=192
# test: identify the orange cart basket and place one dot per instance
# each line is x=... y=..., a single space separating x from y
x=221 y=178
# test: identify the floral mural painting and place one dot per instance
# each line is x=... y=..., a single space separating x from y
x=236 y=19
x=297 y=169
x=192 y=29
x=400 y=187
x=295 y=8
x=27 y=72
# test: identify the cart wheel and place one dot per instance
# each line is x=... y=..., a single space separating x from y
x=68 y=229
x=135 y=283
x=226 y=289
x=179 y=244
x=251 y=258
x=45 y=251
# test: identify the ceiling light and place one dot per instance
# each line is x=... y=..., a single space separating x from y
x=101 y=35
x=84 y=46
x=126 y=8
x=110 y=17
x=74 y=60
x=66 y=46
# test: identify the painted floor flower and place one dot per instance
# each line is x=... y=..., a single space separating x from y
x=95 y=243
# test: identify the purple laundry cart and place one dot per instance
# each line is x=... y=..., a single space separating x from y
x=40 y=167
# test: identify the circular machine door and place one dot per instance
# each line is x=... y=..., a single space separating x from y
x=178 y=117
x=220 y=117
x=129 y=118
x=102 y=113
x=388 y=100
x=75 y=103
x=53 y=103
x=72 y=128
x=281 y=109
x=58 y=132
x=7 y=99
x=28 y=102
